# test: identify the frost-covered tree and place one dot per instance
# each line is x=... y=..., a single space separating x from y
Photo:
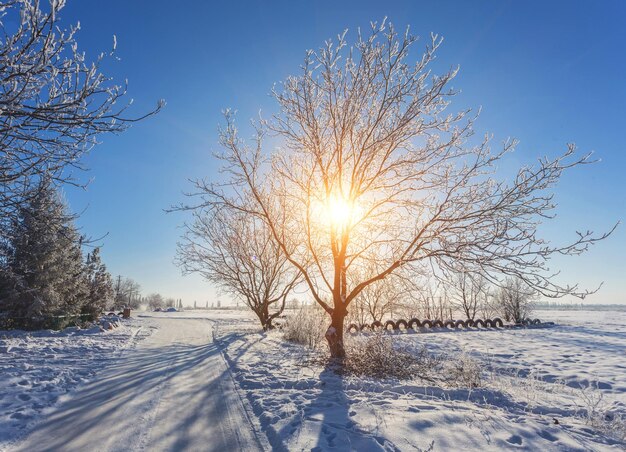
x=515 y=300
x=378 y=300
x=44 y=273
x=126 y=294
x=238 y=253
x=469 y=293
x=170 y=302
x=155 y=301
x=374 y=171
x=54 y=102
x=100 y=285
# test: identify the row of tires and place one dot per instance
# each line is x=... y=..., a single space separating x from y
x=414 y=324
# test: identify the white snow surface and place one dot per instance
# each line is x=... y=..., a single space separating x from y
x=173 y=391
x=38 y=369
x=211 y=380
x=538 y=387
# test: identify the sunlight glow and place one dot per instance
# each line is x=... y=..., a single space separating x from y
x=340 y=212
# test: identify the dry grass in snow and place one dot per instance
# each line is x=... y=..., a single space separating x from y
x=562 y=388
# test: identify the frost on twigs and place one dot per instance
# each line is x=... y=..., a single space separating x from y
x=379 y=356
x=376 y=174
x=306 y=327
x=600 y=415
x=463 y=371
x=54 y=102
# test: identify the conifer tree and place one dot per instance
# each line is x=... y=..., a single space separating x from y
x=100 y=285
x=44 y=273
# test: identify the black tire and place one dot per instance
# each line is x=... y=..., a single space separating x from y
x=536 y=321
x=376 y=325
x=449 y=324
x=120 y=313
x=427 y=324
x=390 y=323
x=414 y=324
x=460 y=324
x=488 y=323
x=403 y=323
x=353 y=328
x=469 y=323
x=438 y=324
x=497 y=323
x=478 y=323
x=111 y=313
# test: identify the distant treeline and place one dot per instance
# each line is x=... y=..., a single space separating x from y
x=580 y=307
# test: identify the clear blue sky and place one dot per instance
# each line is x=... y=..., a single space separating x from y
x=546 y=73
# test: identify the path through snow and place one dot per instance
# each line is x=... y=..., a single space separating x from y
x=174 y=392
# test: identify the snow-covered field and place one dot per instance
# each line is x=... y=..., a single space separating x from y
x=559 y=388
x=38 y=369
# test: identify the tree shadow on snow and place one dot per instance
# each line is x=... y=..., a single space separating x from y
x=119 y=408
x=330 y=414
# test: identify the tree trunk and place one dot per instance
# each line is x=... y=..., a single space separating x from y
x=334 y=334
x=263 y=315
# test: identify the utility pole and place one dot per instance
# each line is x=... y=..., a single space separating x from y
x=118 y=289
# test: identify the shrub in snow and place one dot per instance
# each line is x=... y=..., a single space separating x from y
x=609 y=423
x=599 y=415
x=463 y=371
x=307 y=327
x=378 y=355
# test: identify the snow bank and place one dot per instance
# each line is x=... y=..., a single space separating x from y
x=37 y=369
x=561 y=388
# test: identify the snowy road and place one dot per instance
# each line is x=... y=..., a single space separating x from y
x=173 y=392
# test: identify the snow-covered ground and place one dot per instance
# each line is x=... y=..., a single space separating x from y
x=559 y=388
x=172 y=392
x=38 y=369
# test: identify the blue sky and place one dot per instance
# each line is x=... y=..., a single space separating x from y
x=547 y=73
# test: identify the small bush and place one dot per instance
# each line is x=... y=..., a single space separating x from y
x=463 y=371
x=598 y=414
x=307 y=327
x=378 y=356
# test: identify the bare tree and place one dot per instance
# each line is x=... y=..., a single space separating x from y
x=488 y=308
x=435 y=301
x=132 y=291
x=515 y=300
x=155 y=301
x=54 y=102
x=372 y=172
x=170 y=302
x=417 y=299
x=469 y=293
x=238 y=253
x=126 y=293
x=378 y=300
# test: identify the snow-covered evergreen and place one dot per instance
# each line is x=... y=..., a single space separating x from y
x=100 y=285
x=44 y=274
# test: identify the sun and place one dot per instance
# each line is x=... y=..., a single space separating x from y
x=340 y=212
